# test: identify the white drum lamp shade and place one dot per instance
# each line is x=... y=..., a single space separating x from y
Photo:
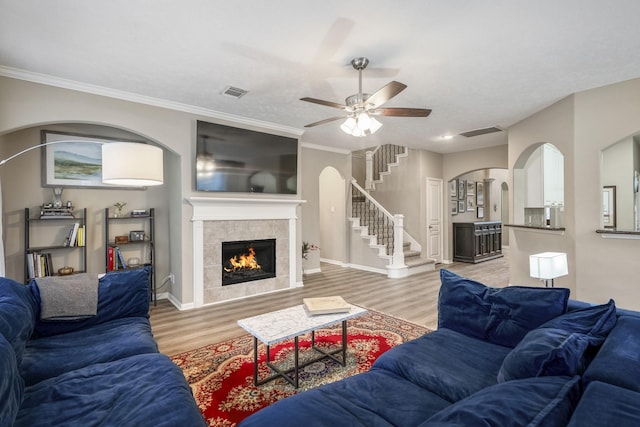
x=132 y=164
x=548 y=265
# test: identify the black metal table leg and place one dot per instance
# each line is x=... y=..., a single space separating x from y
x=255 y=361
x=295 y=363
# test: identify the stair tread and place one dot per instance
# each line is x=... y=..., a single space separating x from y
x=419 y=261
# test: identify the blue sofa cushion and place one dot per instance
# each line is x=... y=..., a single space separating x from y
x=531 y=402
x=47 y=357
x=559 y=346
x=618 y=360
x=11 y=384
x=605 y=404
x=120 y=294
x=373 y=399
x=445 y=362
x=502 y=316
x=142 y=390
x=17 y=314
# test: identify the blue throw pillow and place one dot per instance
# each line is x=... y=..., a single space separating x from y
x=559 y=346
x=502 y=316
x=532 y=402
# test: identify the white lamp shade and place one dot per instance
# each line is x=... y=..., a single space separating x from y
x=349 y=125
x=132 y=164
x=548 y=265
x=375 y=125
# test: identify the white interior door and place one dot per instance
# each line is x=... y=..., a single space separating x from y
x=434 y=219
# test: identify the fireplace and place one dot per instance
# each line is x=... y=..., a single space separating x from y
x=222 y=219
x=248 y=260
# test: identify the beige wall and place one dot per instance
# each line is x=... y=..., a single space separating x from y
x=552 y=125
x=315 y=160
x=606 y=268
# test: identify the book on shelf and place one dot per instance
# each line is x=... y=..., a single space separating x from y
x=326 y=305
x=72 y=237
x=110 y=259
x=39 y=265
x=121 y=262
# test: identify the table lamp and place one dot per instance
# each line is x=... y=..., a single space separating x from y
x=548 y=265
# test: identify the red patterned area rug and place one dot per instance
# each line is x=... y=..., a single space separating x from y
x=221 y=375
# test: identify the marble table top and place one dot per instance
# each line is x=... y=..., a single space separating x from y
x=292 y=322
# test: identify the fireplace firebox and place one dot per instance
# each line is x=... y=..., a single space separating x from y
x=248 y=260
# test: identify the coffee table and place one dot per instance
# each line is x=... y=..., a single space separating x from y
x=292 y=322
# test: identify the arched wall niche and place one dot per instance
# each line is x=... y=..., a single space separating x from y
x=22 y=189
x=620 y=176
x=538 y=187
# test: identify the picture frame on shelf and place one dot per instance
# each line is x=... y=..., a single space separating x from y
x=480 y=194
x=75 y=160
x=480 y=213
x=453 y=188
x=471 y=187
x=461 y=189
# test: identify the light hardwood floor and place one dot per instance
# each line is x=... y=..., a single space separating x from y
x=412 y=298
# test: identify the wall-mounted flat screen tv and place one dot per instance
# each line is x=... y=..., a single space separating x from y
x=231 y=159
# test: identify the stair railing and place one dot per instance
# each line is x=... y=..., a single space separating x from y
x=378 y=161
x=388 y=228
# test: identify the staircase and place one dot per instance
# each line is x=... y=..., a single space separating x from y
x=383 y=245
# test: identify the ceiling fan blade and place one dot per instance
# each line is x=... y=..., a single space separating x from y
x=384 y=94
x=323 y=102
x=321 y=122
x=403 y=112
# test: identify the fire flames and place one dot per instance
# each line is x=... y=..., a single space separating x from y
x=244 y=262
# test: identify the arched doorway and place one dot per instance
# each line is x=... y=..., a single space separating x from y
x=332 y=215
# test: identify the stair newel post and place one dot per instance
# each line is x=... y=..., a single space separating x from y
x=368 y=181
x=398 y=234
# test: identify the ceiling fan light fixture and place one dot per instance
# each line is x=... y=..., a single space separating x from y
x=374 y=126
x=349 y=125
x=364 y=121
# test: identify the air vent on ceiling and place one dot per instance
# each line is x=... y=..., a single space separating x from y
x=478 y=132
x=234 y=92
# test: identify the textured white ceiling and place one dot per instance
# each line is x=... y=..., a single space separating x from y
x=476 y=63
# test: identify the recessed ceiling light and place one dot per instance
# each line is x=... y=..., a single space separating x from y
x=447 y=137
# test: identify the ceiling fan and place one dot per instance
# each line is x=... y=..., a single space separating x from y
x=361 y=107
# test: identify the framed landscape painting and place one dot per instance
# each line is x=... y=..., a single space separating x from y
x=74 y=160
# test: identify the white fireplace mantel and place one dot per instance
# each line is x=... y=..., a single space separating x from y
x=221 y=208
x=239 y=209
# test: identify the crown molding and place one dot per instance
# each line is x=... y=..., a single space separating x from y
x=48 y=80
x=325 y=148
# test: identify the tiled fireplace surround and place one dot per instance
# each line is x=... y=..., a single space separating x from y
x=216 y=220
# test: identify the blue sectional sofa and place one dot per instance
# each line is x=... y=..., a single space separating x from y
x=99 y=370
x=516 y=356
